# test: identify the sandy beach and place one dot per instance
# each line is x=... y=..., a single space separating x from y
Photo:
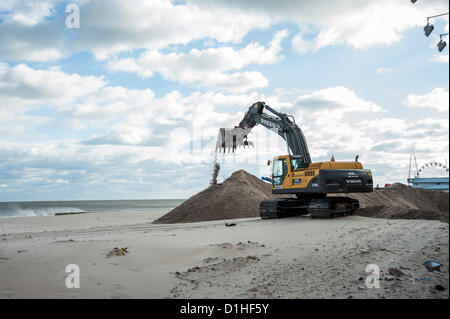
x=286 y=258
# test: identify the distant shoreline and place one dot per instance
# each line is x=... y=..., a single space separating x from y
x=61 y=208
x=92 y=200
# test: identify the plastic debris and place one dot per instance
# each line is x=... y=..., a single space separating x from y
x=230 y=224
x=439 y=287
x=116 y=251
x=396 y=272
x=432 y=265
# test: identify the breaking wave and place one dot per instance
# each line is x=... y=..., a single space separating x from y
x=18 y=211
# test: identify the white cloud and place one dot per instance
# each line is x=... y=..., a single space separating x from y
x=111 y=26
x=207 y=67
x=31 y=31
x=359 y=24
x=337 y=98
x=382 y=70
x=123 y=134
x=436 y=99
x=26 y=12
x=23 y=88
x=442 y=58
x=41 y=42
x=300 y=45
x=52 y=84
x=377 y=23
x=35 y=32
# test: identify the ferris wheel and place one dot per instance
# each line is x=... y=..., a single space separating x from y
x=433 y=169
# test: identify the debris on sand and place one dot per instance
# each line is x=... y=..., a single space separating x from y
x=116 y=251
x=396 y=272
x=439 y=288
x=70 y=213
x=432 y=265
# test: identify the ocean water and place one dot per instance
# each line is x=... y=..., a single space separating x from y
x=23 y=209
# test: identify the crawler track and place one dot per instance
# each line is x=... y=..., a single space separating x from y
x=326 y=207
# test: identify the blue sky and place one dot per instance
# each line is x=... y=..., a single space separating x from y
x=115 y=109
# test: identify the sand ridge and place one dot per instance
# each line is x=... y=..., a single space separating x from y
x=402 y=202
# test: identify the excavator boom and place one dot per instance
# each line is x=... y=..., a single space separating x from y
x=281 y=123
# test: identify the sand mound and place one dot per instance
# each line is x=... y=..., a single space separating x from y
x=402 y=202
x=237 y=197
x=399 y=212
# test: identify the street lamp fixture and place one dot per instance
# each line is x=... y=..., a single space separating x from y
x=441 y=45
x=429 y=27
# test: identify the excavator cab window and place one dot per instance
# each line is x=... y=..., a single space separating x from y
x=297 y=163
x=279 y=171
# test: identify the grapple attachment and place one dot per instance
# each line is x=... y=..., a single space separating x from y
x=232 y=138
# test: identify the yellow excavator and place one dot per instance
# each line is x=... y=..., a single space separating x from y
x=296 y=174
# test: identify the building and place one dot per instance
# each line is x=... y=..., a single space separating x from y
x=434 y=183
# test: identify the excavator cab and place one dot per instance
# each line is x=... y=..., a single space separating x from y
x=286 y=166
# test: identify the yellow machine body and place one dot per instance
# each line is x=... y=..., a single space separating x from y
x=320 y=177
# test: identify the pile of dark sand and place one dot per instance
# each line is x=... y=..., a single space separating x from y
x=239 y=197
x=402 y=202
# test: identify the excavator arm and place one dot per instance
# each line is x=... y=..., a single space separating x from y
x=282 y=124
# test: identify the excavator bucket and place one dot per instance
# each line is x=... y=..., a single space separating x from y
x=232 y=138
